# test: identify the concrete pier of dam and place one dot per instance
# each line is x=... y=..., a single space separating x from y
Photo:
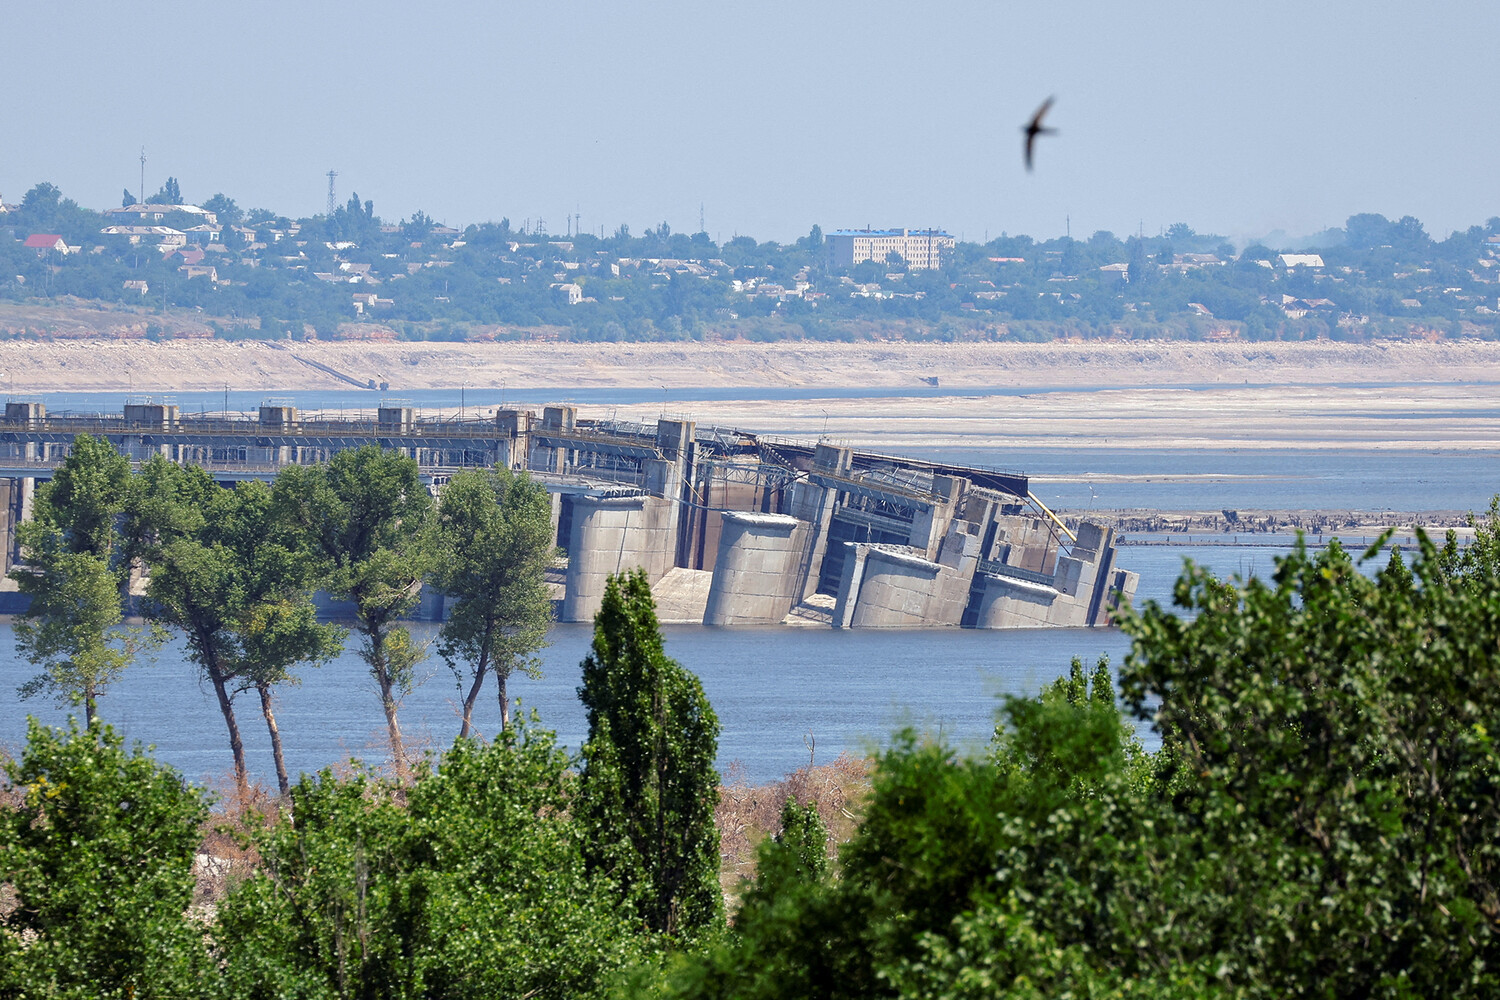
x=779 y=529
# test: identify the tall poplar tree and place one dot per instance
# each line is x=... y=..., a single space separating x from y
x=648 y=788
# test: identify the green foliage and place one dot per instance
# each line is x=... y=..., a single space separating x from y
x=85 y=498
x=364 y=516
x=1322 y=819
x=76 y=575
x=236 y=585
x=799 y=851
x=170 y=194
x=224 y=208
x=467 y=883
x=648 y=786
x=71 y=628
x=494 y=542
x=1329 y=733
x=99 y=852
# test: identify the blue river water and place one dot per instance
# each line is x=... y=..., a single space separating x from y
x=776 y=690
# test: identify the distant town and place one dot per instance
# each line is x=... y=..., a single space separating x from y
x=167 y=267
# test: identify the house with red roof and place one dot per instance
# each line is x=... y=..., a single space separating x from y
x=42 y=242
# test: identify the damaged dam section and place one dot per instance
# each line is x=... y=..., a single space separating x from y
x=731 y=527
x=778 y=531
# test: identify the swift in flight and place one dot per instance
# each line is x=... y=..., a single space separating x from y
x=1035 y=128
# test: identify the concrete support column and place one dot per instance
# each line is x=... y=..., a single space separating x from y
x=608 y=536
x=755 y=577
x=812 y=504
x=849 y=584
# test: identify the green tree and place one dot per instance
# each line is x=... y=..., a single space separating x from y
x=224 y=208
x=649 y=787
x=237 y=587
x=127 y=199
x=86 y=498
x=76 y=577
x=469 y=882
x=72 y=627
x=365 y=515
x=169 y=194
x=1329 y=732
x=99 y=853
x=418 y=227
x=797 y=854
x=494 y=541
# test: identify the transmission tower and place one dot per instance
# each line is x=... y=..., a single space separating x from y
x=143 y=173
x=333 y=202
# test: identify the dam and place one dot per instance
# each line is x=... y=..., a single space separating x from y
x=753 y=530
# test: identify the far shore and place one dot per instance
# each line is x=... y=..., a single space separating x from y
x=31 y=366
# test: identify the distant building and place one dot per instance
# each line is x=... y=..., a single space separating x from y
x=144 y=213
x=919 y=248
x=163 y=235
x=1290 y=260
x=42 y=242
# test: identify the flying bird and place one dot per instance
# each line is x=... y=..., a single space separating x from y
x=1035 y=128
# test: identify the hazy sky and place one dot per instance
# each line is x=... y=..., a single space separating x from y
x=1234 y=118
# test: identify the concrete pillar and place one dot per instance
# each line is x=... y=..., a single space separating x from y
x=394 y=419
x=664 y=480
x=30 y=414
x=904 y=590
x=7 y=525
x=755 y=577
x=849 y=583
x=610 y=535
x=1010 y=603
x=813 y=504
x=514 y=446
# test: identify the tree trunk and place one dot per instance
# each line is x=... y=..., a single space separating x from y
x=265 y=709
x=381 y=671
x=500 y=678
x=393 y=725
x=236 y=746
x=472 y=697
x=90 y=704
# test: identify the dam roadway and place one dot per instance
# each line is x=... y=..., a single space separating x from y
x=767 y=527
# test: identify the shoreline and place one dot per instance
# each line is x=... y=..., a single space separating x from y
x=206 y=365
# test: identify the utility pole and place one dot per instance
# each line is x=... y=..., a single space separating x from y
x=143 y=175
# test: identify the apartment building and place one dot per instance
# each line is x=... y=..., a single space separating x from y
x=920 y=248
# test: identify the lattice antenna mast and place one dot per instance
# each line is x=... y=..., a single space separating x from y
x=333 y=201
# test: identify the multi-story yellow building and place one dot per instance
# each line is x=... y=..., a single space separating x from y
x=920 y=248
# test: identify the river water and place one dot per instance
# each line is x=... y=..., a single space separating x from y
x=782 y=695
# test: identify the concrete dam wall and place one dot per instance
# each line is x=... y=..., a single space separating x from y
x=782 y=530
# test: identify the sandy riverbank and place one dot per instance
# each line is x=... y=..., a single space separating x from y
x=177 y=366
